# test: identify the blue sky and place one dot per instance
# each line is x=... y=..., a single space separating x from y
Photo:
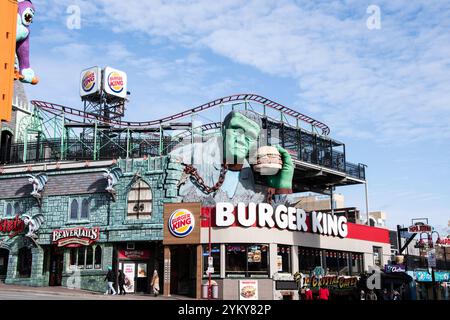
x=384 y=92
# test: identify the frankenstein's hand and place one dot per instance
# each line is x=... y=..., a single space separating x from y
x=283 y=179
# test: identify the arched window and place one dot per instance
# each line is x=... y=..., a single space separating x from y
x=81 y=257
x=85 y=209
x=9 y=210
x=74 y=209
x=24 y=261
x=98 y=258
x=140 y=201
x=89 y=257
x=73 y=257
x=17 y=211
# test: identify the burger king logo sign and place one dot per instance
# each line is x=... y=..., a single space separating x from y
x=181 y=223
x=88 y=81
x=115 y=82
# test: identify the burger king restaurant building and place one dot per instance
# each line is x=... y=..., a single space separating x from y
x=256 y=250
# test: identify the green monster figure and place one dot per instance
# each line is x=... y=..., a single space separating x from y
x=241 y=137
x=225 y=173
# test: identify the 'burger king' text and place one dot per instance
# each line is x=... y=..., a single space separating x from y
x=290 y=218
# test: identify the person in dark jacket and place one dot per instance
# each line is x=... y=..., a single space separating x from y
x=110 y=277
x=121 y=282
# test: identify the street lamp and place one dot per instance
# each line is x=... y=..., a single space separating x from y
x=431 y=245
x=208 y=217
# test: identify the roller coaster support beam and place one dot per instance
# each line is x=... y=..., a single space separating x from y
x=63 y=133
x=25 y=146
x=128 y=143
x=95 y=142
x=160 y=140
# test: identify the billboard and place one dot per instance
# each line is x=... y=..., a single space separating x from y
x=115 y=82
x=90 y=81
x=8 y=26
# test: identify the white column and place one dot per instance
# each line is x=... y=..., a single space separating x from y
x=273 y=258
x=222 y=260
x=294 y=259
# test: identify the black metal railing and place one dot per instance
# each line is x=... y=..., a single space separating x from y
x=301 y=145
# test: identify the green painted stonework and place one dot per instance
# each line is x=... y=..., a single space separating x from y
x=162 y=174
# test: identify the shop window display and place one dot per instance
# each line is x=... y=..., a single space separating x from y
x=309 y=259
x=98 y=258
x=24 y=262
x=86 y=257
x=284 y=259
x=81 y=257
x=215 y=253
x=89 y=258
x=247 y=260
x=377 y=256
x=357 y=263
x=331 y=262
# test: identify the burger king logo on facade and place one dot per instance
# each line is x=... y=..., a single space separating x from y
x=115 y=82
x=181 y=223
x=88 y=81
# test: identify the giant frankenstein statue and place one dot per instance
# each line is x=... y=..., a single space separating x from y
x=220 y=168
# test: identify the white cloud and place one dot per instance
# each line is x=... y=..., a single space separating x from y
x=390 y=85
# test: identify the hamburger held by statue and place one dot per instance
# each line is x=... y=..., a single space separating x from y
x=268 y=161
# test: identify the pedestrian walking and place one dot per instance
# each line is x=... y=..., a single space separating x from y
x=385 y=295
x=371 y=295
x=121 y=279
x=396 y=296
x=110 y=277
x=324 y=293
x=308 y=294
x=155 y=283
x=362 y=295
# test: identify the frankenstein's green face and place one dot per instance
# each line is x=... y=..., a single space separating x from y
x=240 y=136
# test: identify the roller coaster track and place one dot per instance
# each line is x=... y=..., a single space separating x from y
x=58 y=109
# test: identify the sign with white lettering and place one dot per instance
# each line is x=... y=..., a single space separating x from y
x=290 y=218
x=394 y=268
x=75 y=237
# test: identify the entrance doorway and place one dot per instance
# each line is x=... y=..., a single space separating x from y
x=56 y=266
x=4 y=255
x=136 y=275
x=183 y=270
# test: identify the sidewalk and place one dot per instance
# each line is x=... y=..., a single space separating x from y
x=62 y=291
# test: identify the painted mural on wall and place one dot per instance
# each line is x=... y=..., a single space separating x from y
x=223 y=168
x=25 y=17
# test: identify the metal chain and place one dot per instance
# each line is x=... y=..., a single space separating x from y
x=190 y=170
